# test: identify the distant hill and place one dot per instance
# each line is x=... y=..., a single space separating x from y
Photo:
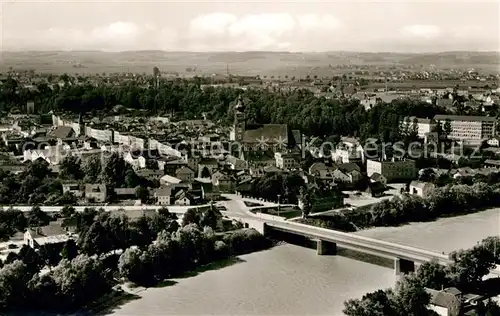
x=243 y=63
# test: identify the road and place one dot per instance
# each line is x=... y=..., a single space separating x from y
x=240 y=211
x=178 y=209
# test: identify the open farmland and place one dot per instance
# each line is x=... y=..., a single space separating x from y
x=244 y=63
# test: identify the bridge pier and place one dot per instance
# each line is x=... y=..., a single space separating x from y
x=324 y=247
x=403 y=266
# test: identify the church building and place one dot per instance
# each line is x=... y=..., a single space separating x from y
x=259 y=138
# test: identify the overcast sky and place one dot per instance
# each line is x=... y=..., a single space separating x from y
x=418 y=26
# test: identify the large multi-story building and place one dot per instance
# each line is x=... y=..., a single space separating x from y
x=394 y=170
x=423 y=126
x=468 y=127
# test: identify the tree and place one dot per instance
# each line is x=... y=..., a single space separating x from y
x=470 y=266
x=210 y=217
x=131 y=178
x=378 y=303
x=192 y=216
x=305 y=200
x=113 y=170
x=134 y=265
x=37 y=217
x=91 y=167
x=50 y=254
x=69 y=250
x=492 y=244
x=68 y=211
x=433 y=275
x=447 y=129
x=81 y=280
x=411 y=297
x=30 y=258
x=70 y=168
x=13 y=280
x=142 y=194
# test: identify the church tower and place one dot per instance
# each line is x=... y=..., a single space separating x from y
x=239 y=124
x=81 y=125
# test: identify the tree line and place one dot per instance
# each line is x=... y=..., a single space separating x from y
x=441 y=201
x=188 y=99
x=409 y=297
x=153 y=248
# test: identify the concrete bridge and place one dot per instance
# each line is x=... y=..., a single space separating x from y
x=406 y=258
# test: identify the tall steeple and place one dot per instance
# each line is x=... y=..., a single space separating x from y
x=81 y=125
x=239 y=121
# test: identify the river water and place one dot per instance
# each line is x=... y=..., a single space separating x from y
x=291 y=280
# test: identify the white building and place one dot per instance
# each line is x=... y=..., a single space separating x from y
x=469 y=127
x=395 y=170
x=420 y=188
x=424 y=126
x=348 y=150
x=286 y=161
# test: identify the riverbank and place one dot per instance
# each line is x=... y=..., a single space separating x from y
x=449 y=201
x=443 y=235
x=283 y=280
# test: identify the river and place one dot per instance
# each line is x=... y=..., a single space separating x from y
x=291 y=280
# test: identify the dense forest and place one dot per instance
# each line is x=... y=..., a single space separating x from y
x=188 y=99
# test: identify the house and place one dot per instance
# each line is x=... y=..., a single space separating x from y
x=447 y=302
x=223 y=182
x=491 y=163
x=53 y=233
x=320 y=169
x=63 y=132
x=150 y=174
x=348 y=167
x=95 y=193
x=259 y=158
x=185 y=174
x=171 y=166
x=210 y=192
x=420 y=188
x=182 y=197
x=166 y=179
x=324 y=200
x=376 y=189
x=395 y=170
x=341 y=177
x=236 y=163
x=287 y=161
x=72 y=187
x=356 y=176
x=125 y=193
x=271 y=169
x=162 y=195
x=206 y=167
x=494 y=141
x=348 y=150
x=137 y=162
x=377 y=177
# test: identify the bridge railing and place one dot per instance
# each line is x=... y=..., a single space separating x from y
x=367 y=239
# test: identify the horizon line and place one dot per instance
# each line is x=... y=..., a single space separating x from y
x=242 y=52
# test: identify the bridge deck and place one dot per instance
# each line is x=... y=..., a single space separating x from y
x=360 y=243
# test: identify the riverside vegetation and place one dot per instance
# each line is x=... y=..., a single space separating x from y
x=153 y=249
x=409 y=297
x=452 y=199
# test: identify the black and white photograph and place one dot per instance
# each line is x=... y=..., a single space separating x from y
x=249 y=158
